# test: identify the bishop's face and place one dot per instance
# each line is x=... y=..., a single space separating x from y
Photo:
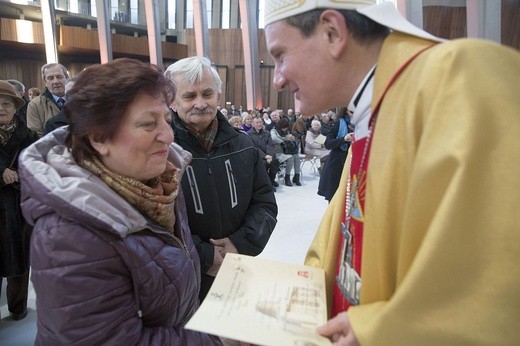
x=305 y=66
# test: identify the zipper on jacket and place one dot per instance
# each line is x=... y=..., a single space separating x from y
x=231 y=183
x=192 y=181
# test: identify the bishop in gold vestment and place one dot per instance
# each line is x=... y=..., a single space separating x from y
x=441 y=247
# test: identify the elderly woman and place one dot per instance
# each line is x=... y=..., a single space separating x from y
x=14 y=231
x=314 y=147
x=236 y=122
x=111 y=253
x=247 y=121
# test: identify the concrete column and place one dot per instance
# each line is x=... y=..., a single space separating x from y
x=484 y=19
x=104 y=33
x=411 y=10
x=180 y=15
x=216 y=17
x=233 y=14
x=248 y=16
x=200 y=25
x=153 y=28
x=49 y=30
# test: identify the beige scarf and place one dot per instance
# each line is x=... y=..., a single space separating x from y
x=156 y=198
x=6 y=131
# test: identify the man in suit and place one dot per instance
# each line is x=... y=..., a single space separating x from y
x=51 y=100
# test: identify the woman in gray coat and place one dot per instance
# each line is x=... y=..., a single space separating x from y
x=111 y=254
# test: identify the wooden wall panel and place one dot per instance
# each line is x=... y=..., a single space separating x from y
x=75 y=37
x=79 y=48
x=26 y=71
x=226 y=49
x=239 y=87
x=263 y=54
x=445 y=21
x=223 y=72
x=226 y=46
x=129 y=45
x=266 y=78
x=173 y=51
x=285 y=100
x=16 y=30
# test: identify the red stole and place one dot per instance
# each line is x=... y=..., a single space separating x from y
x=348 y=270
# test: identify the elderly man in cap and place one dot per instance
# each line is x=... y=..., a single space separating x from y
x=421 y=241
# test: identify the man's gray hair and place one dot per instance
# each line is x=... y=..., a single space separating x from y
x=17 y=85
x=53 y=64
x=192 y=69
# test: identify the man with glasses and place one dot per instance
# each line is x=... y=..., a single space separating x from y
x=19 y=88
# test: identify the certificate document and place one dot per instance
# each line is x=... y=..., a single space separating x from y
x=320 y=139
x=264 y=302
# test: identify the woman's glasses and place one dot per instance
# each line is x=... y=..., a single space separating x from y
x=7 y=105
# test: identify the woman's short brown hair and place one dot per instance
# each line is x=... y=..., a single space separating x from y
x=99 y=99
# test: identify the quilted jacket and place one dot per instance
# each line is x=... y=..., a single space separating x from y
x=104 y=273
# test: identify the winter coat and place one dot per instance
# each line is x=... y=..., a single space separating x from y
x=14 y=232
x=55 y=122
x=228 y=193
x=40 y=109
x=104 y=274
x=262 y=140
x=22 y=111
x=331 y=172
x=313 y=148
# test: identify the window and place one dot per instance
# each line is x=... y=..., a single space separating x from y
x=171 y=10
x=226 y=13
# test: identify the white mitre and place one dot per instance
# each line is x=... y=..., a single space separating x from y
x=385 y=13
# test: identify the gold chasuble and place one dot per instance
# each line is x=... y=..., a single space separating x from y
x=441 y=239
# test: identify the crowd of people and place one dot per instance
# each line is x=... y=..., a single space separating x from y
x=15 y=232
x=288 y=137
x=128 y=200
x=117 y=185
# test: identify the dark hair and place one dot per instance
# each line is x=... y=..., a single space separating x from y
x=100 y=98
x=363 y=29
x=282 y=124
x=36 y=91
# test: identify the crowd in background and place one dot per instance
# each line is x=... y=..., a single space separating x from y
x=119 y=198
x=285 y=138
x=24 y=113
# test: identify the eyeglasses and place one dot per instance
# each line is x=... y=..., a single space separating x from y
x=7 y=105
